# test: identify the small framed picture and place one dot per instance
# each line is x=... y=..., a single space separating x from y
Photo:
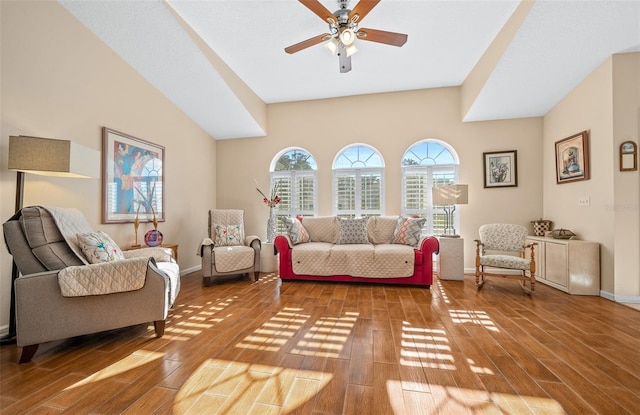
x=628 y=156
x=500 y=169
x=572 y=158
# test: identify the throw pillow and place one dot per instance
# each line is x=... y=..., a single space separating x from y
x=228 y=235
x=353 y=231
x=99 y=247
x=296 y=231
x=408 y=231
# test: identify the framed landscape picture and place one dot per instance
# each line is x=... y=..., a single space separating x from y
x=132 y=178
x=500 y=169
x=572 y=158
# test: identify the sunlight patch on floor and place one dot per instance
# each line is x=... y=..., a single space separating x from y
x=233 y=387
x=327 y=337
x=275 y=332
x=480 y=318
x=134 y=360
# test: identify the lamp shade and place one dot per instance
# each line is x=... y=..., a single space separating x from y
x=347 y=36
x=455 y=194
x=51 y=157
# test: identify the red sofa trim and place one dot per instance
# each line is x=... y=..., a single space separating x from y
x=422 y=275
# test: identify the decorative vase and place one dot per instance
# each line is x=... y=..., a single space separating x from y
x=153 y=238
x=271 y=226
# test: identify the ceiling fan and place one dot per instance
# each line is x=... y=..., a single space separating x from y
x=344 y=30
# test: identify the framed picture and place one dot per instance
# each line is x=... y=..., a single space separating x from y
x=628 y=156
x=500 y=169
x=572 y=158
x=132 y=178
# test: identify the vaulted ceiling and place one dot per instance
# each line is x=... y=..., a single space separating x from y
x=218 y=60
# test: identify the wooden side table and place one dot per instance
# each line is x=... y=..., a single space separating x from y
x=173 y=247
x=451 y=259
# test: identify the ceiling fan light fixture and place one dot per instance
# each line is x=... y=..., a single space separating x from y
x=351 y=49
x=347 y=37
x=331 y=46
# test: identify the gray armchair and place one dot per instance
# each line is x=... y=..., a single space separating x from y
x=59 y=294
x=227 y=251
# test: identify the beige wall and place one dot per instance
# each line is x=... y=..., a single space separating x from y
x=391 y=123
x=606 y=103
x=60 y=81
x=626 y=205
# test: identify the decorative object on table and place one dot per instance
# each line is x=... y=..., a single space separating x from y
x=500 y=168
x=46 y=157
x=271 y=201
x=448 y=197
x=628 y=156
x=136 y=224
x=132 y=174
x=153 y=237
x=562 y=234
x=572 y=158
x=541 y=226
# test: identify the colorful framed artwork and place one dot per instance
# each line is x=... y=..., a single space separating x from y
x=132 y=179
x=572 y=158
x=500 y=169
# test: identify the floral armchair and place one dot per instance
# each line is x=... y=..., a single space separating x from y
x=501 y=249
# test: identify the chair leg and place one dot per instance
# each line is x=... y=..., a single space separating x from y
x=27 y=353
x=159 y=327
x=479 y=277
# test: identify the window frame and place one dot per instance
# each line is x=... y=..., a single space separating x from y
x=357 y=173
x=293 y=176
x=433 y=214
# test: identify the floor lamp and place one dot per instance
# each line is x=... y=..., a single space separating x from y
x=48 y=157
x=448 y=197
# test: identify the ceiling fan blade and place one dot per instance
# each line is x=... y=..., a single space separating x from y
x=320 y=10
x=380 y=36
x=362 y=9
x=307 y=43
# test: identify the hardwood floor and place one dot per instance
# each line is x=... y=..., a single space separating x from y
x=321 y=348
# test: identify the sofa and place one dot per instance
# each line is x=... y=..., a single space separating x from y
x=74 y=281
x=378 y=249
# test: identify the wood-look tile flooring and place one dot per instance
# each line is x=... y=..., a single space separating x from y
x=321 y=348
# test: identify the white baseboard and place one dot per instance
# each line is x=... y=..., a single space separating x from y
x=607 y=295
x=190 y=270
x=629 y=299
x=4 y=330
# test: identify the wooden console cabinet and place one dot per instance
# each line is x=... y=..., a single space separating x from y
x=570 y=265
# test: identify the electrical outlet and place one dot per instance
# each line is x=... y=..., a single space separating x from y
x=584 y=201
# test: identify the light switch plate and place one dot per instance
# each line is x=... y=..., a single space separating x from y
x=584 y=201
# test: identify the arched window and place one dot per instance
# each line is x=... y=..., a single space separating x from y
x=358 y=185
x=294 y=175
x=428 y=163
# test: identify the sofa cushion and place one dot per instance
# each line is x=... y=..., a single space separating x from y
x=99 y=247
x=228 y=235
x=296 y=231
x=408 y=231
x=356 y=260
x=381 y=228
x=353 y=231
x=233 y=258
x=322 y=228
